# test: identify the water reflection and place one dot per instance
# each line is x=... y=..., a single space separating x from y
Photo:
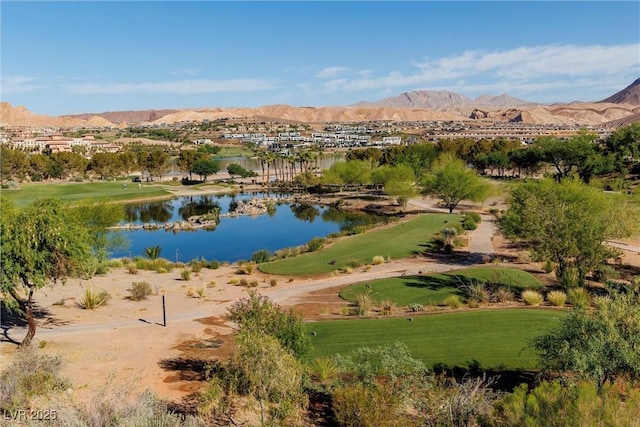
x=286 y=225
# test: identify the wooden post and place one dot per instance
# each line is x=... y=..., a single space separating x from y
x=164 y=314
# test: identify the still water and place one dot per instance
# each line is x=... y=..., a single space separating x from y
x=234 y=238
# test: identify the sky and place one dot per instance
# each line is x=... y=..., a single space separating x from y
x=79 y=57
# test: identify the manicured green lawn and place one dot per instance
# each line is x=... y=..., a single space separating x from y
x=432 y=289
x=110 y=191
x=494 y=339
x=399 y=241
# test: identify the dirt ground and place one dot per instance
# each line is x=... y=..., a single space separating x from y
x=126 y=342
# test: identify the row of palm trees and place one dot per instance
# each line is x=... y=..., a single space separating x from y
x=287 y=165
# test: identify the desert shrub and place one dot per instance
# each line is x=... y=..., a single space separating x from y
x=557 y=298
x=354 y=263
x=244 y=283
x=273 y=282
x=139 y=291
x=245 y=268
x=604 y=273
x=579 y=298
x=387 y=307
x=531 y=297
x=262 y=255
x=368 y=406
x=185 y=275
x=253 y=284
x=548 y=266
x=347 y=270
x=102 y=268
x=477 y=292
x=196 y=266
x=470 y=221
x=362 y=303
x=569 y=278
x=453 y=301
x=377 y=260
x=31 y=375
x=415 y=307
x=132 y=268
x=200 y=292
x=214 y=264
x=91 y=300
x=233 y=281
x=211 y=284
x=503 y=294
x=315 y=244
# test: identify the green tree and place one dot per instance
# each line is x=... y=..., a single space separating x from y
x=600 y=344
x=105 y=164
x=155 y=162
x=567 y=222
x=188 y=158
x=270 y=374
x=205 y=167
x=65 y=164
x=259 y=313
x=41 y=244
x=235 y=169
x=452 y=182
x=13 y=163
x=567 y=156
x=625 y=142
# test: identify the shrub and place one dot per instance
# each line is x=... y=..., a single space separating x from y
x=387 y=307
x=31 y=375
x=262 y=255
x=604 y=273
x=153 y=252
x=453 y=301
x=415 y=307
x=245 y=268
x=557 y=298
x=503 y=294
x=354 y=263
x=139 y=291
x=273 y=282
x=532 y=297
x=548 y=266
x=92 y=300
x=200 y=292
x=214 y=264
x=132 y=268
x=244 y=283
x=579 y=298
x=211 y=284
x=378 y=259
x=185 y=275
x=362 y=303
x=470 y=221
x=323 y=370
x=315 y=244
x=347 y=270
x=196 y=266
x=477 y=292
x=233 y=281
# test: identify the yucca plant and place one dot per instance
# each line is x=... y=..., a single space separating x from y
x=92 y=300
x=323 y=370
x=153 y=252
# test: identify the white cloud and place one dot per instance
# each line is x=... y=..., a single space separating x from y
x=330 y=72
x=181 y=87
x=188 y=71
x=543 y=66
x=20 y=84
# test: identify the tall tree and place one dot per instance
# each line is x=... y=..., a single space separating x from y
x=188 y=158
x=41 y=244
x=452 y=182
x=567 y=222
x=206 y=167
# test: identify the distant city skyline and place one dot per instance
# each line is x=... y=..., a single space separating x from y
x=80 y=57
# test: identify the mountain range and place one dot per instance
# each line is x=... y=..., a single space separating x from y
x=619 y=109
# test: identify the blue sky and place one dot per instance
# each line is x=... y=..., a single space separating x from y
x=74 y=57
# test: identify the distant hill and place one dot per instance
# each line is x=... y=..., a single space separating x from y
x=422 y=105
x=444 y=100
x=628 y=95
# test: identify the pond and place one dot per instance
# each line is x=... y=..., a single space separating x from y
x=235 y=238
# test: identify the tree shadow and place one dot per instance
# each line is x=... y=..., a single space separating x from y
x=190 y=369
x=502 y=379
x=10 y=319
x=433 y=283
